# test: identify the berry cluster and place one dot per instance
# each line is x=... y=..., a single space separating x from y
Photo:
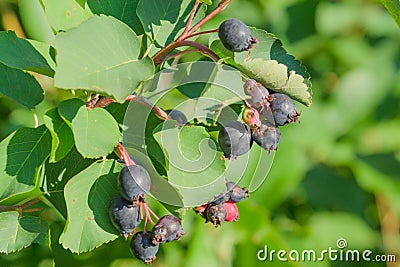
x=263 y=113
x=223 y=207
x=126 y=213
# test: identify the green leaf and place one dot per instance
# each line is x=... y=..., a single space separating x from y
x=24 y=152
x=46 y=50
x=96 y=132
x=273 y=75
x=124 y=10
x=61 y=133
x=19 y=54
x=101 y=55
x=69 y=108
x=393 y=7
x=66 y=14
x=88 y=195
x=18 y=233
x=57 y=175
x=196 y=169
x=20 y=86
x=164 y=20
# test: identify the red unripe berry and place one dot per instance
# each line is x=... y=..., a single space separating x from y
x=232 y=212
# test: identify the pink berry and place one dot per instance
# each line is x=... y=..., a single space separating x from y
x=232 y=212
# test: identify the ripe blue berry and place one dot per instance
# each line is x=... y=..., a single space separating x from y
x=283 y=109
x=259 y=94
x=236 y=193
x=215 y=214
x=167 y=229
x=235 y=139
x=134 y=183
x=124 y=215
x=267 y=136
x=142 y=247
x=235 y=35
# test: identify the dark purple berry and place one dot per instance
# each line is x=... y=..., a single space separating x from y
x=167 y=229
x=267 y=136
x=134 y=183
x=124 y=215
x=215 y=214
x=235 y=139
x=259 y=94
x=235 y=35
x=236 y=192
x=178 y=116
x=142 y=247
x=283 y=109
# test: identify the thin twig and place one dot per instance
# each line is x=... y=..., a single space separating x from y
x=200 y=33
x=220 y=8
x=189 y=22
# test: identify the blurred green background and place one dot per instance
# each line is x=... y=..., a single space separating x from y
x=335 y=175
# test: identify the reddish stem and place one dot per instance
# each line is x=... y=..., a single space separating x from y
x=220 y=8
x=160 y=57
x=189 y=22
x=29 y=203
x=180 y=53
x=124 y=155
x=148 y=211
x=199 y=33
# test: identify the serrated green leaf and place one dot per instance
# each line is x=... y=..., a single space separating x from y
x=96 y=132
x=101 y=55
x=274 y=76
x=18 y=53
x=20 y=86
x=88 y=195
x=124 y=10
x=164 y=20
x=61 y=133
x=66 y=14
x=57 y=175
x=196 y=169
x=270 y=47
x=18 y=233
x=23 y=153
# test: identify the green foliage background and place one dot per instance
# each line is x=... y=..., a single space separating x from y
x=336 y=175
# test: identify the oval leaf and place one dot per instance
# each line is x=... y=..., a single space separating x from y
x=18 y=233
x=96 y=132
x=101 y=55
x=66 y=14
x=20 y=86
x=24 y=152
x=57 y=175
x=18 y=53
x=88 y=195
x=61 y=133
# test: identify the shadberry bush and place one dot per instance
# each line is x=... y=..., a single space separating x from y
x=78 y=159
